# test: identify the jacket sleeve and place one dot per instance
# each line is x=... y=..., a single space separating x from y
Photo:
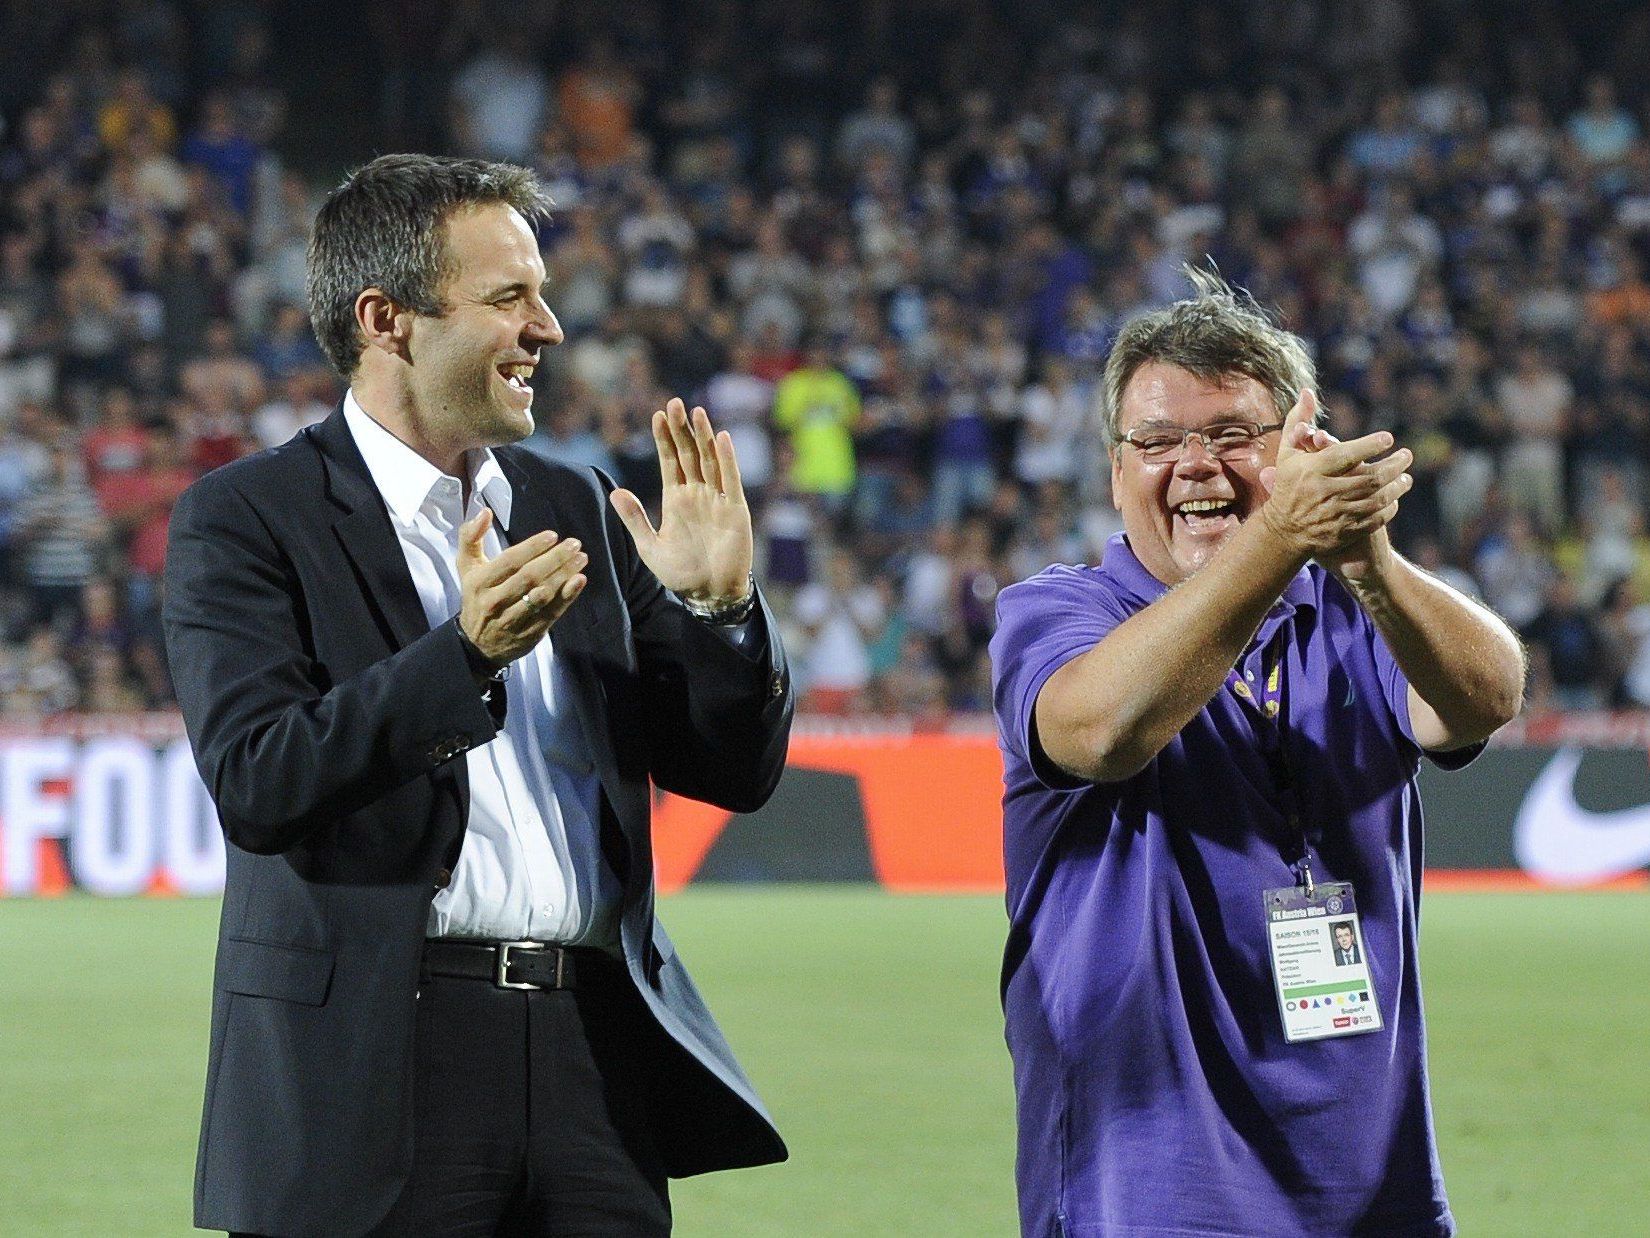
x=282 y=749
x=718 y=718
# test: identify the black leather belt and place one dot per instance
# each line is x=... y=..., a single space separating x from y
x=519 y=964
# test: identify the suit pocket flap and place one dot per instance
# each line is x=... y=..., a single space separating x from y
x=265 y=969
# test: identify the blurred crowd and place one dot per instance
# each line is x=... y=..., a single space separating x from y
x=889 y=252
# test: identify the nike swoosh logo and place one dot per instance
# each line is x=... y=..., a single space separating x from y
x=1559 y=841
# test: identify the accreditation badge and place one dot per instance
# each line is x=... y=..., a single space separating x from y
x=1319 y=967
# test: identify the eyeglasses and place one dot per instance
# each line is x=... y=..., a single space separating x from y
x=1162 y=444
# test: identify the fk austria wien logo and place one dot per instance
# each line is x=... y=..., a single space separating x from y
x=1559 y=841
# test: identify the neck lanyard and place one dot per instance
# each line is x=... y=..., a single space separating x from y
x=1269 y=703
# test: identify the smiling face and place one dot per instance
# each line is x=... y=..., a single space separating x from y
x=1177 y=515
x=1343 y=936
x=470 y=366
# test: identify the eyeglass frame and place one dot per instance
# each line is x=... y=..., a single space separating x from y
x=1173 y=455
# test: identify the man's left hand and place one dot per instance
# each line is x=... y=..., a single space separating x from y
x=1363 y=559
x=702 y=548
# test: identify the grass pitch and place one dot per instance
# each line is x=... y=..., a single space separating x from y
x=870 y=1023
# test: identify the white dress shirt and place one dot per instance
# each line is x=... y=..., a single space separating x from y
x=531 y=865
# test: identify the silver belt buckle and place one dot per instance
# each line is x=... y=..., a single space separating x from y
x=501 y=969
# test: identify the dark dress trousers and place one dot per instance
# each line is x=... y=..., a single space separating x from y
x=330 y=723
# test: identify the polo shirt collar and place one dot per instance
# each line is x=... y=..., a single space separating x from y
x=1130 y=575
x=406 y=478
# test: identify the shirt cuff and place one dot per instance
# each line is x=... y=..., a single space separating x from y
x=748 y=637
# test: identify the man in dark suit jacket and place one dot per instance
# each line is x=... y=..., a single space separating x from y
x=427 y=683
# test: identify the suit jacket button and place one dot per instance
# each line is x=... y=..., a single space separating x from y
x=776 y=686
x=443 y=878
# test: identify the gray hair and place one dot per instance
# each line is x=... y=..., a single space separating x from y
x=385 y=227
x=1216 y=334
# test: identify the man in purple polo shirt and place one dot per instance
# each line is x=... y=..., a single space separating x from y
x=1210 y=744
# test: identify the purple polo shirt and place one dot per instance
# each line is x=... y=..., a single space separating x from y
x=1155 y=1091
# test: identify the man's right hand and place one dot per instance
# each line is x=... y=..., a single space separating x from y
x=511 y=601
x=1324 y=500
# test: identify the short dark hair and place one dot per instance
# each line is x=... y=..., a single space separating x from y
x=1215 y=334
x=384 y=227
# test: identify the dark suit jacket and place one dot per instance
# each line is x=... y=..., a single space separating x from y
x=330 y=723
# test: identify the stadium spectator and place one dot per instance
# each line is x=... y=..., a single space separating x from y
x=285 y=349
x=1535 y=400
x=1624 y=625
x=115 y=444
x=35 y=680
x=109 y=687
x=1570 y=651
x=1269 y=164
x=96 y=323
x=571 y=433
x=656 y=242
x=222 y=378
x=1054 y=414
x=59 y=537
x=132 y=108
x=837 y=616
x=964 y=466
x=1391 y=145
x=598 y=99
x=878 y=126
x=1603 y=131
x=295 y=402
x=817 y=408
x=1395 y=245
x=739 y=400
x=138 y=504
x=501 y=100
x=219 y=145
x=1621 y=297
x=1612 y=530
x=702 y=115
x=772 y=284
x=1516 y=570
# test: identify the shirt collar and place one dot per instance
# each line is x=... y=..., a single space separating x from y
x=406 y=478
x=1123 y=567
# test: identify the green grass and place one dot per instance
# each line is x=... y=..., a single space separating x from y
x=870 y=1023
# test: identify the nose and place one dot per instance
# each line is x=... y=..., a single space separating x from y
x=1196 y=459
x=542 y=328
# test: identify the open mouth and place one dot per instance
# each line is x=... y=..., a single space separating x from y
x=1202 y=516
x=519 y=375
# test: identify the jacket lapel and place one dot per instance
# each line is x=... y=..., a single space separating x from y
x=363 y=526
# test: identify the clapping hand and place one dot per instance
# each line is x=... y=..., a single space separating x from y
x=702 y=548
x=1335 y=499
x=511 y=600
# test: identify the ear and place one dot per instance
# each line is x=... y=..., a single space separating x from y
x=1116 y=477
x=384 y=324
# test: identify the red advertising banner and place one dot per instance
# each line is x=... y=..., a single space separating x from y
x=114 y=806
x=930 y=808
